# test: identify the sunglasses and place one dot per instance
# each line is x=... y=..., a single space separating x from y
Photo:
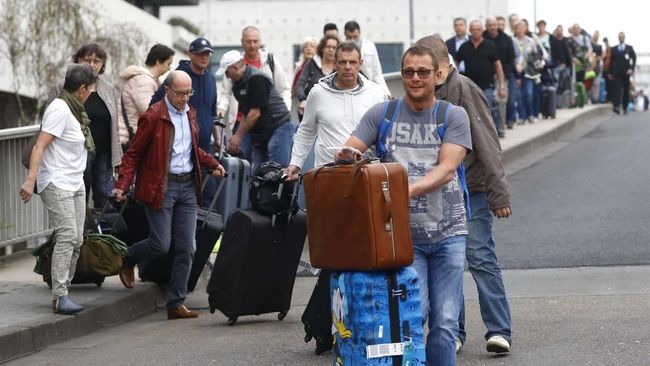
x=422 y=73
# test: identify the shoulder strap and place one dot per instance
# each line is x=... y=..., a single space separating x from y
x=126 y=120
x=441 y=111
x=390 y=112
x=271 y=63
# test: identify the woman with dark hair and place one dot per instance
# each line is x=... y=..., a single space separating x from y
x=101 y=107
x=320 y=66
x=56 y=168
x=140 y=83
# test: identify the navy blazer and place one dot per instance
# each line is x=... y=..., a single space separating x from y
x=622 y=61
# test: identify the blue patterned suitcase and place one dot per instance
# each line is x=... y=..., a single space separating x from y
x=377 y=318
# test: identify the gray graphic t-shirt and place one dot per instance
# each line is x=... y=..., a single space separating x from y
x=414 y=142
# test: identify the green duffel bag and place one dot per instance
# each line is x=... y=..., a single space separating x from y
x=100 y=255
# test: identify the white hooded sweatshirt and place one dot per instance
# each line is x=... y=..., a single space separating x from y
x=331 y=115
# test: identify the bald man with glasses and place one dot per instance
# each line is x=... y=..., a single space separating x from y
x=166 y=156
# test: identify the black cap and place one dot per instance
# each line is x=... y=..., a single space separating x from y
x=200 y=45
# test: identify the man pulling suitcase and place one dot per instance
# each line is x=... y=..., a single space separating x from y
x=166 y=155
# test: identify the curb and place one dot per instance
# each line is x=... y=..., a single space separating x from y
x=524 y=147
x=106 y=311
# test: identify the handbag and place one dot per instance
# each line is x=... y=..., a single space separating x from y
x=27 y=151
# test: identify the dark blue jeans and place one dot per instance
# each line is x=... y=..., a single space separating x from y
x=484 y=267
x=278 y=148
x=177 y=217
x=525 y=99
x=440 y=276
x=98 y=176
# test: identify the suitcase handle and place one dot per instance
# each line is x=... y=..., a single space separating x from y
x=385 y=190
x=338 y=163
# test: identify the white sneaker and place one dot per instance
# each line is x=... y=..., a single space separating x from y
x=459 y=345
x=497 y=344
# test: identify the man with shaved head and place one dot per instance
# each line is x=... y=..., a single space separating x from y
x=489 y=195
x=166 y=155
x=482 y=63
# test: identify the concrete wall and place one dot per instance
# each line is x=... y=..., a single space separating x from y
x=284 y=24
x=117 y=11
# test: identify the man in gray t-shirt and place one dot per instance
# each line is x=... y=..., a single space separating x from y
x=437 y=211
x=414 y=142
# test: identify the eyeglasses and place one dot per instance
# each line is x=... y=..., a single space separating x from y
x=180 y=93
x=422 y=73
x=91 y=61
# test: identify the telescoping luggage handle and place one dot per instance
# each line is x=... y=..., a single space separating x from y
x=222 y=148
x=103 y=212
x=213 y=202
x=385 y=185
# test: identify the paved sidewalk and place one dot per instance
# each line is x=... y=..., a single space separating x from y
x=28 y=324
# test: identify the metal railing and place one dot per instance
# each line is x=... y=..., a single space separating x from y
x=19 y=222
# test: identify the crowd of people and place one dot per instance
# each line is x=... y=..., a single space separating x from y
x=165 y=134
x=576 y=68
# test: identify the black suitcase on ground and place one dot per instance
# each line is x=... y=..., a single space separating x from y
x=317 y=317
x=549 y=101
x=209 y=226
x=256 y=266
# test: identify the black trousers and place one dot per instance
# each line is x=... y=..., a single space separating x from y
x=621 y=90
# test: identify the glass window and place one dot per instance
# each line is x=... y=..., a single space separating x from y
x=216 y=57
x=390 y=56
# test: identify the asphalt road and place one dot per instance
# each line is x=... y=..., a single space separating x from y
x=578 y=202
x=584 y=205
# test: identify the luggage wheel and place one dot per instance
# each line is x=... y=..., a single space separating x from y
x=282 y=315
x=232 y=321
x=99 y=284
x=307 y=338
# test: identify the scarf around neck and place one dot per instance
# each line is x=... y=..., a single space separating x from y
x=79 y=112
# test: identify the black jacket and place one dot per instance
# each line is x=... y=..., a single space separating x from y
x=560 y=52
x=622 y=61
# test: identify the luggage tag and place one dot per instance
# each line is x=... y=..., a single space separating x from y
x=385 y=350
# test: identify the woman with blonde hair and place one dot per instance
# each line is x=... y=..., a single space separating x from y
x=307 y=52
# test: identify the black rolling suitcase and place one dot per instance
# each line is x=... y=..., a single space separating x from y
x=209 y=226
x=256 y=265
x=317 y=317
x=549 y=101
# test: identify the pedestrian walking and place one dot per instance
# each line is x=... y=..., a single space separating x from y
x=623 y=63
x=140 y=84
x=321 y=65
x=266 y=118
x=166 y=156
x=489 y=196
x=437 y=208
x=56 y=170
x=461 y=36
x=371 y=67
x=505 y=45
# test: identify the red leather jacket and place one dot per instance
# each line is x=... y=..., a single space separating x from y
x=150 y=153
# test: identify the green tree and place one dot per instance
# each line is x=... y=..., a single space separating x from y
x=40 y=37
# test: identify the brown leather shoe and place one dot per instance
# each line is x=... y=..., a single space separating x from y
x=181 y=312
x=127 y=276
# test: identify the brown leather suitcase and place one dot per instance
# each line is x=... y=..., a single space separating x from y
x=358 y=217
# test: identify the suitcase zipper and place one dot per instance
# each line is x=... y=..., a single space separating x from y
x=388 y=226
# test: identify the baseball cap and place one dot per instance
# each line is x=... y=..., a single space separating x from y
x=200 y=45
x=229 y=58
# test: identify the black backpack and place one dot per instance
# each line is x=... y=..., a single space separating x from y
x=270 y=195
